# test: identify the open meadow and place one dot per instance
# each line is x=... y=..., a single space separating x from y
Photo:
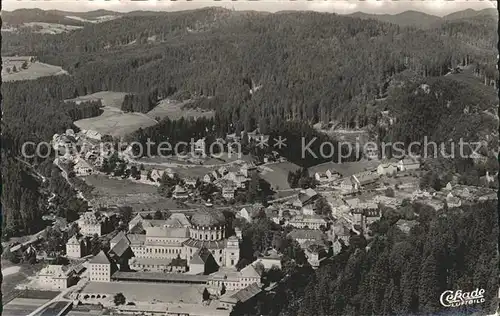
x=113 y=121
x=33 y=71
x=175 y=110
x=108 y=98
x=121 y=192
x=277 y=174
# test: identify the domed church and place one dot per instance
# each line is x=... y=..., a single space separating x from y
x=181 y=237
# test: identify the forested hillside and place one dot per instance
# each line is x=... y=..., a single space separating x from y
x=281 y=72
x=397 y=272
x=307 y=66
x=256 y=70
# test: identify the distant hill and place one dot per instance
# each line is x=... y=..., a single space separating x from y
x=469 y=13
x=424 y=20
x=407 y=18
x=21 y=16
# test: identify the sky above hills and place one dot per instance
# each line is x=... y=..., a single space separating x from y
x=434 y=7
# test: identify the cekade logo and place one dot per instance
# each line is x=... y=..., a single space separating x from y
x=455 y=299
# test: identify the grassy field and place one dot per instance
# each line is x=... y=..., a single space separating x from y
x=116 y=123
x=10 y=281
x=127 y=193
x=34 y=71
x=277 y=174
x=174 y=110
x=113 y=121
x=50 y=28
x=162 y=162
x=108 y=98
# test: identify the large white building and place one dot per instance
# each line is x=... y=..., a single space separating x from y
x=75 y=248
x=91 y=223
x=232 y=279
x=53 y=277
x=100 y=268
x=179 y=237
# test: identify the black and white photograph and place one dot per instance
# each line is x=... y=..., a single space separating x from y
x=249 y=158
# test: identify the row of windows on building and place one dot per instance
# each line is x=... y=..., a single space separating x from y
x=212 y=237
x=163 y=250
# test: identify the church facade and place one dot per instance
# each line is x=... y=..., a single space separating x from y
x=180 y=237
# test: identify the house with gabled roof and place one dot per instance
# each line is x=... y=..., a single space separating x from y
x=209 y=178
x=190 y=182
x=233 y=279
x=408 y=164
x=305 y=235
x=314 y=253
x=249 y=212
x=203 y=262
x=270 y=258
x=121 y=253
x=54 y=277
x=101 y=268
x=179 y=193
x=243 y=296
x=325 y=172
x=136 y=220
x=76 y=247
x=386 y=169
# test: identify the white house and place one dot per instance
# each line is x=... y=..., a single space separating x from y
x=325 y=172
x=199 y=147
x=190 y=182
x=408 y=164
x=387 y=169
x=228 y=192
x=208 y=178
x=82 y=168
x=233 y=279
x=91 y=223
x=53 y=277
x=75 y=248
x=270 y=258
x=179 y=193
x=249 y=212
x=100 y=268
x=247 y=169
x=307 y=221
x=306 y=235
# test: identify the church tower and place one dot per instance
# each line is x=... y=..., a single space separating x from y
x=232 y=251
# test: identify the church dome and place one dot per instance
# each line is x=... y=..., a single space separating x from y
x=208 y=218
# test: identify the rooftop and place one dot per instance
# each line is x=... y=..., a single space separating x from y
x=201 y=256
x=100 y=258
x=271 y=254
x=149 y=261
x=167 y=232
x=249 y=272
x=206 y=218
x=73 y=241
x=55 y=271
x=226 y=273
x=121 y=235
x=209 y=244
x=121 y=247
x=347 y=169
x=306 y=234
x=242 y=295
